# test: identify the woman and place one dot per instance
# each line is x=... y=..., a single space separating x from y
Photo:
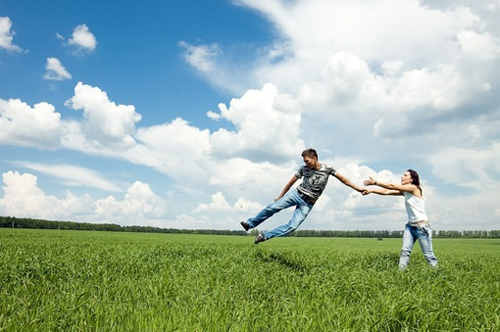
x=418 y=227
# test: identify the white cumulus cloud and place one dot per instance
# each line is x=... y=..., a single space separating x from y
x=139 y=202
x=22 y=125
x=201 y=57
x=7 y=36
x=55 y=70
x=218 y=204
x=105 y=122
x=480 y=46
x=83 y=39
x=23 y=198
x=267 y=126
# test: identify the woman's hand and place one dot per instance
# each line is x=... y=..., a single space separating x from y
x=370 y=182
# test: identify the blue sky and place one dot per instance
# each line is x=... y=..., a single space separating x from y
x=193 y=114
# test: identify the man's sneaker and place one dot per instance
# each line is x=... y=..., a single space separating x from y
x=260 y=238
x=245 y=225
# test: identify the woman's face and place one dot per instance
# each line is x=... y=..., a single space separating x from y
x=406 y=178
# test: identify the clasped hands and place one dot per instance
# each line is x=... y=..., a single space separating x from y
x=368 y=182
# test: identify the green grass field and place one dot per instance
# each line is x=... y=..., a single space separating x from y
x=102 y=281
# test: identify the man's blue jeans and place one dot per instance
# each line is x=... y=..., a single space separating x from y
x=291 y=198
x=424 y=236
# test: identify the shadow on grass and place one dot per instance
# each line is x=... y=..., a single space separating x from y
x=282 y=259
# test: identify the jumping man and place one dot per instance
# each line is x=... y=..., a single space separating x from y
x=303 y=197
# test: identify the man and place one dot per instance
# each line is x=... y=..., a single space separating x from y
x=303 y=197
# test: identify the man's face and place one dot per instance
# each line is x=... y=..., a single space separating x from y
x=310 y=162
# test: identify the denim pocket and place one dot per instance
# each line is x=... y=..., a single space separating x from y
x=424 y=229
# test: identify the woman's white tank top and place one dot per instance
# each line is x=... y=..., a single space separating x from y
x=415 y=207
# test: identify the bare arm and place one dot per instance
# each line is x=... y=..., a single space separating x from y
x=287 y=186
x=392 y=188
x=348 y=183
x=384 y=192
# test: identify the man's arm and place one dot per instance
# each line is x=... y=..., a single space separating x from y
x=348 y=183
x=287 y=186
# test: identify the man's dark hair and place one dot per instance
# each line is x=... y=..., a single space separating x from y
x=311 y=153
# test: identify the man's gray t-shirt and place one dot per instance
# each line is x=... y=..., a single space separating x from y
x=314 y=180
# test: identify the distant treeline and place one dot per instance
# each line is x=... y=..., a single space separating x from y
x=14 y=222
x=397 y=234
x=69 y=225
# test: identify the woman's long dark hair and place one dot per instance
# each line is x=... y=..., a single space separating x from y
x=416 y=180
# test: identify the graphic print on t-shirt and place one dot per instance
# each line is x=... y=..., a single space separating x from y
x=314 y=181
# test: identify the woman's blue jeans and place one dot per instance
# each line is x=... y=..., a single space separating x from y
x=291 y=198
x=423 y=234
